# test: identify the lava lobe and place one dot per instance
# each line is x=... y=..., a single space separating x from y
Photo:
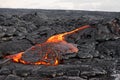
x=49 y=52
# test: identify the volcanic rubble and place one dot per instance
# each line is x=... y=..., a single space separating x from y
x=98 y=57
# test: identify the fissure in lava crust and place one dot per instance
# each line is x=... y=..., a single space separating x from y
x=49 y=52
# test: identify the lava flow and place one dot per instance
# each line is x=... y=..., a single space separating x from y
x=49 y=52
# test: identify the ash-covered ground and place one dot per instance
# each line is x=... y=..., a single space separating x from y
x=99 y=46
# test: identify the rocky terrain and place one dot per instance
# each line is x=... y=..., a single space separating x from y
x=98 y=57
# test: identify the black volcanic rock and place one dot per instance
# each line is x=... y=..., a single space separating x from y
x=110 y=48
x=13 y=77
x=13 y=47
x=5 y=71
x=98 y=56
x=87 y=50
x=2 y=77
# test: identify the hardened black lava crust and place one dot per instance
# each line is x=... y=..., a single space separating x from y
x=98 y=57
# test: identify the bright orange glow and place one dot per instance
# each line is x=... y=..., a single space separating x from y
x=57 y=45
x=15 y=57
x=61 y=37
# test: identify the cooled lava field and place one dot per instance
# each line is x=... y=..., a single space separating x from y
x=97 y=58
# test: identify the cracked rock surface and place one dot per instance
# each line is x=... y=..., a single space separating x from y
x=98 y=57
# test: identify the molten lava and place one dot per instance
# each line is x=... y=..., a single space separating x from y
x=49 y=52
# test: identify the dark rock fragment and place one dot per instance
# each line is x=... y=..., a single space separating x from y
x=93 y=72
x=73 y=73
x=13 y=47
x=23 y=72
x=5 y=71
x=13 y=77
x=67 y=78
x=114 y=26
x=75 y=78
x=35 y=78
x=87 y=50
x=2 y=77
x=109 y=48
x=61 y=70
x=68 y=55
x=40 y=35
x=60 y=78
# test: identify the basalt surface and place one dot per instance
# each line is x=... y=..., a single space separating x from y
x=98 y=57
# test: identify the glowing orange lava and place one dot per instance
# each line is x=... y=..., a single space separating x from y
x=50 y=50
x=61 y=37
